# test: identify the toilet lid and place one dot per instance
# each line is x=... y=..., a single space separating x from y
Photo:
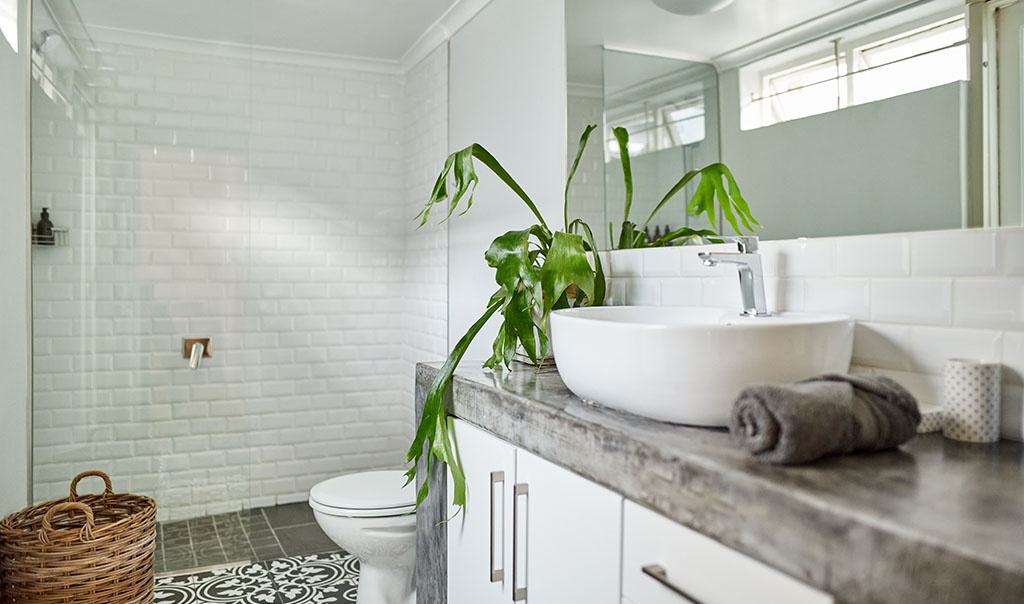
x=380 y=490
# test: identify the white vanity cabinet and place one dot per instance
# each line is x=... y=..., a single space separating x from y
x=535 y=532
x=532 y=532
x=666 y=563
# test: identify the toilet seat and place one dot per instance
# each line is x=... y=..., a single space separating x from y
x=364 y=495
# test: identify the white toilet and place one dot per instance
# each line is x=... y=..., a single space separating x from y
x=368 y=515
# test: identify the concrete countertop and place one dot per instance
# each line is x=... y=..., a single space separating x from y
x=935 y=521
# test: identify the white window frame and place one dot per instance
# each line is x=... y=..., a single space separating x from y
x=754 y=82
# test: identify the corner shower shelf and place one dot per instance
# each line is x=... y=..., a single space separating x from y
x=60 y=238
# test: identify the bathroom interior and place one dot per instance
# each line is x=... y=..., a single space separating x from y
x=219 y=291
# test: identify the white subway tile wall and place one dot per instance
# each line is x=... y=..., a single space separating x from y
x=426 y=268
x=585 y=106
x=918 y=298
x=268 y=207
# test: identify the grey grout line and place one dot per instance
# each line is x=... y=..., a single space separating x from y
x=216 y=531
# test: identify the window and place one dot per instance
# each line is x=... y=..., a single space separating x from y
x=9 y=22
x=860 y=66
x=657 y=126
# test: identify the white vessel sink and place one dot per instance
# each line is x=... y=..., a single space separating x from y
x=687 y=365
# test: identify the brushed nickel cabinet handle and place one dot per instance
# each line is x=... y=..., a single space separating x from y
x=659 y=574
x=497 y=574
x=522 y=489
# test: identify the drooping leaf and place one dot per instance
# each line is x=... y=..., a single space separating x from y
x=433 y=429
x=743 y=209
x=731 y=202
x=465 y=180
x=440 y=191
x=572 y=171
x=463 y=172
x=566 y=264
x=703 y=201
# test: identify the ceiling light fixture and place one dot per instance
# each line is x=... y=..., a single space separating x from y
x=692 y=8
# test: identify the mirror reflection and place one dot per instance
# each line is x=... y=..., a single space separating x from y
x=854 y=124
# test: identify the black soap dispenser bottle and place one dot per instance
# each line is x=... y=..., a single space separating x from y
x=44 y=229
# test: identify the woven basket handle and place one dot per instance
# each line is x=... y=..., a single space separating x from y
x=70 y=506
x=108 y=488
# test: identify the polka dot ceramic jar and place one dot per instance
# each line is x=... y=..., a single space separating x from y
x=972 y=396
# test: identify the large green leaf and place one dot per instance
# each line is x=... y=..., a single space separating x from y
x=460 y=166
x=566 y=264
x=622 y=136
x=600 y=287
x=509 y=255
x=730 y=201
x=519 y=325
x=522 y=298
x=433 y=429
x=572 y=172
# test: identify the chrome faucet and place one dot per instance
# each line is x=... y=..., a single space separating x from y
x=748 y=263
x=196 y=357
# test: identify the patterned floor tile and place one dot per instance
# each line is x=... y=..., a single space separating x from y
x=331 y=578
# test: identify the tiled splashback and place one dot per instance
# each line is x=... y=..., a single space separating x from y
x=918 y=298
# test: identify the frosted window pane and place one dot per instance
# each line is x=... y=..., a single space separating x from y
x=9 y=22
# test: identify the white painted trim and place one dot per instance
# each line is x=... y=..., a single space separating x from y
x=244 y=52
x=440 y=31
x=658 y=53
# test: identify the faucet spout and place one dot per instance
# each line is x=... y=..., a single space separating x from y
x=197 y=355
x=748 y=265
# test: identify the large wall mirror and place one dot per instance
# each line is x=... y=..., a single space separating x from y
x=838 y=117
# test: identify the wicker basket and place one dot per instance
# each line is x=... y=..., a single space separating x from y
x=82 y=549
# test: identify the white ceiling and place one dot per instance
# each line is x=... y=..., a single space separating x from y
x=720 y=37
x=378 y=29
x=386 y=29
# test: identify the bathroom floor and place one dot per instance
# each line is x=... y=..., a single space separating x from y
x=249 y=536
x=317 y=578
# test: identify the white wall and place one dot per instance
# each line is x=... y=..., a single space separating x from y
x=889 y=166
x=426 y=248
x=260 y=204
x=507 y=91
x=918 y=298
x=14 y=262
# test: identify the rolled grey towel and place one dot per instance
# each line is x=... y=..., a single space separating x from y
x=826 y=415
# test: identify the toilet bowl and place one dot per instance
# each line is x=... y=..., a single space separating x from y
x=368 y=514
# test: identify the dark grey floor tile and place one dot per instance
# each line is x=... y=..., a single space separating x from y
x=304 y=539
x=179 y=558
x=254 y=524
x=291 y=514
x=269 y=552
x=239 y=553
x=200 y=525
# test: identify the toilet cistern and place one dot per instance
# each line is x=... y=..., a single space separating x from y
x=748 y=265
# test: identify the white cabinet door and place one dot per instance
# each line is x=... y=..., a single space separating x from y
x=569 y=536
x=480 y=539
